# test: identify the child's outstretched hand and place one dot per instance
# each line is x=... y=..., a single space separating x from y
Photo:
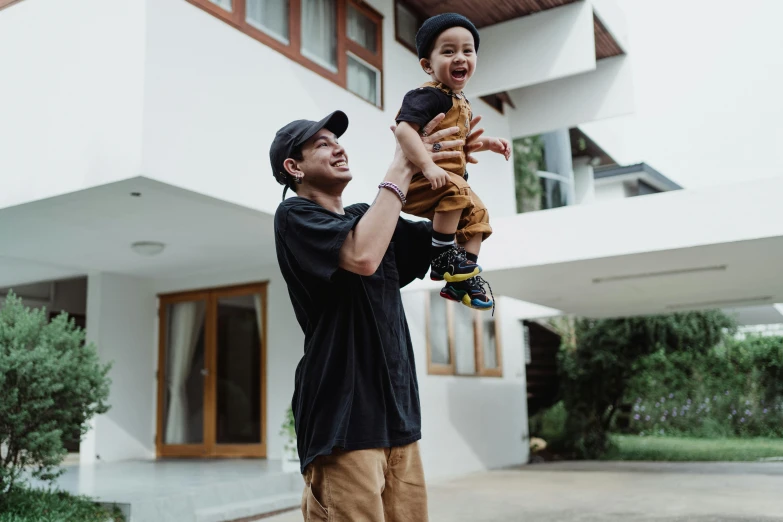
x=499 y=145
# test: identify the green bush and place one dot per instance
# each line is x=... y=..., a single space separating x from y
x=597 y=369
x=550 y=425
x=31 y=505
x=732 y=390
x=50 y=384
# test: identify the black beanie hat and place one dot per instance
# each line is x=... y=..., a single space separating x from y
x=435 y=25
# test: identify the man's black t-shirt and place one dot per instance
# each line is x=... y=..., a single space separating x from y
x=355 y=386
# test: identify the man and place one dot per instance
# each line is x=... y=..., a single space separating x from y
x=356 y=399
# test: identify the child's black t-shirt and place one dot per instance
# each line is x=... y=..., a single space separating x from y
x=420 y=105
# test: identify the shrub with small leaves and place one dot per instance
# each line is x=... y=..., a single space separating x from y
x=51 y=383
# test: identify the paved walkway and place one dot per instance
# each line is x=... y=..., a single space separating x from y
x=612 y=491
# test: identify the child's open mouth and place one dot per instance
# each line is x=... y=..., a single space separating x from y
x=459 y=74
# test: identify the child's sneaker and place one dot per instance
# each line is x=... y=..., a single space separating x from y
x=453 y=266
x=470 y=293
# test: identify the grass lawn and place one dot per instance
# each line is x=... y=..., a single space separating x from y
x=690 y=449
x=34 y=505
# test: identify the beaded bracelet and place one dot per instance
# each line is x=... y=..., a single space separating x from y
x=394 y=188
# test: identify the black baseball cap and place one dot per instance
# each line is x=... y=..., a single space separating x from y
x=295 y=134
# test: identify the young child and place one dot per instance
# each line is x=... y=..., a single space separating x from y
x=447 y=46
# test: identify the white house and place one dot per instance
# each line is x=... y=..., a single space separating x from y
x=137 y=196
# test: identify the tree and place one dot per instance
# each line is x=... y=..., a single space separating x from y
x=597 y=368
x=51 y=383
x=528 y=160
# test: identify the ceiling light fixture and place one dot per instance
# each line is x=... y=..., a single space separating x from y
x=724 y=303
x=148 y=248
x=663 y=273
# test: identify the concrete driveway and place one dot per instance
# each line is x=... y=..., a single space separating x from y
x=614 y=491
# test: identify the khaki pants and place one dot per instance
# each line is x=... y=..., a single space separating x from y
x=373 y=485
x=424 y=202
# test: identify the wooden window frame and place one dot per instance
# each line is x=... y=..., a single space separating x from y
x=478 y=342
x=292 y=50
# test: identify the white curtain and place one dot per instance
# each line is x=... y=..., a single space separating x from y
x=438 y=330
x=186 y=322
x=225 y=4
x=270 y=16
x=464 y=340
x=490 y=343
x=407 y=25
x=259 y=314
x=319 y=32
x=362 y=80
x=361 y=29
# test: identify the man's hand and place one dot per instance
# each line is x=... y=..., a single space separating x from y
x=474 y=142
x=430 y=139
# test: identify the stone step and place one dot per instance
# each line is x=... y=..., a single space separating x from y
x=249 y=508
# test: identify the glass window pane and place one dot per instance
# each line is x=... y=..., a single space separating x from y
x=489 y=344
x=407 y=25
x=554 y=193
x=239 y=332
x=319 y=32
x=464 y=340
x=183 y=411
x=363 y=80
x=438 y=330
x=270 y=16
x=225 y=4
x=362 y=30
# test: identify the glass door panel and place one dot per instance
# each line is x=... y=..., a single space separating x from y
x=238 y=404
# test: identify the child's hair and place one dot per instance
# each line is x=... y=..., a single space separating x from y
x=432 y=27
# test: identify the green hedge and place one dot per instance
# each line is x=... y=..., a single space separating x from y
x=35 y=505
x=732 y=390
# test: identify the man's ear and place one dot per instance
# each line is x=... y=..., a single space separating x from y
x=292 y=167
x=426 y=65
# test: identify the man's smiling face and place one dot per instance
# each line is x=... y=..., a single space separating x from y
x=324 y=160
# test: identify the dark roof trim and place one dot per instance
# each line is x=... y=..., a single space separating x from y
x=609 y=172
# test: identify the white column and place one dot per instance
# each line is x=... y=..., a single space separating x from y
x=121 y=319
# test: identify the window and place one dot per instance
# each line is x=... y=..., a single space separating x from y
x=338 y=39
x=555 y=190
x=461 y=341
x=269 y=16
x=406 y=24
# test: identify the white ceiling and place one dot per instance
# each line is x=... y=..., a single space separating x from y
x=92 y=230
x=751 y=277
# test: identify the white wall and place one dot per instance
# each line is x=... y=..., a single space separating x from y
x=70 y=113
x=285 y=340
x=121 y=316
x=603 y=93
x=536 y=49
x=609 y=191
x=473 y=423
x=215 y=97
x=668 y=219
